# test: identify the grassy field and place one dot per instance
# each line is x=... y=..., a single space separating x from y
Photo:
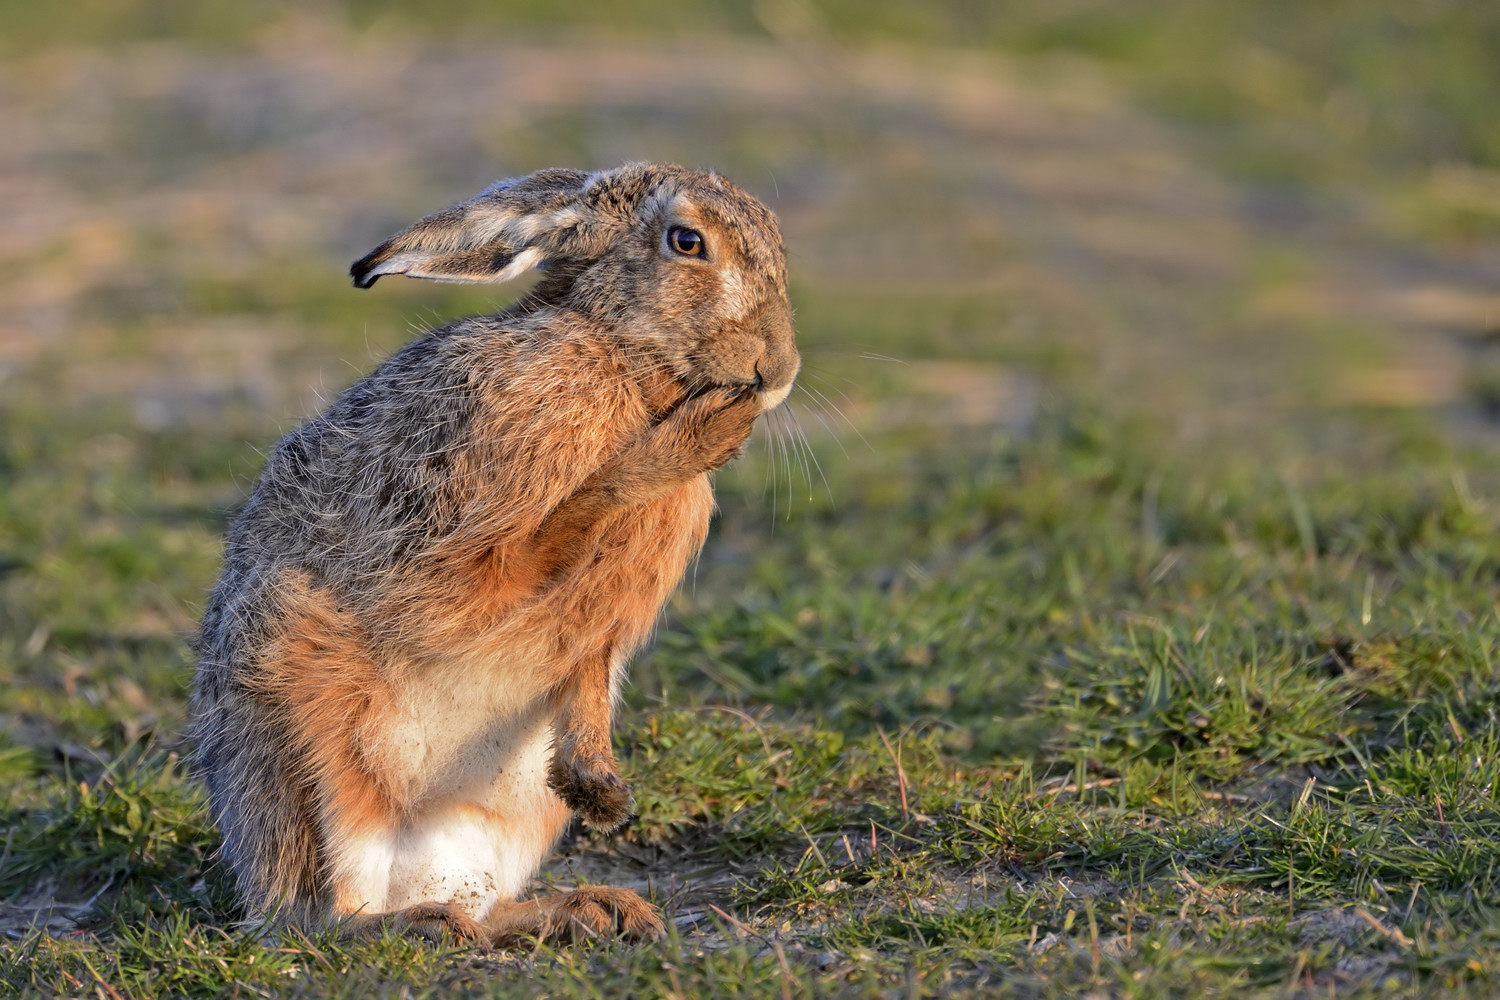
x=1112 y=613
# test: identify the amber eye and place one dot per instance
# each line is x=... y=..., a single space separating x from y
x=685 y=241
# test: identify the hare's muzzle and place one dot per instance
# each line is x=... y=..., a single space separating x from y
x=774 y=387
x=778 y=363
x=756 y=353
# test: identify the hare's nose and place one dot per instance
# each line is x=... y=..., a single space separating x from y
x=773 y=378
x=777 y=366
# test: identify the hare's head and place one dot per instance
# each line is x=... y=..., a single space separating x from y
x=683 y=261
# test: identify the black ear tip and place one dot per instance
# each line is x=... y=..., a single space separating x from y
x=360 y=272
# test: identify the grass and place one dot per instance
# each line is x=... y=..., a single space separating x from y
x=1102 y=640
x=1012 y=742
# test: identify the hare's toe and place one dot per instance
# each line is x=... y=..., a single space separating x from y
x=594 y=911
x=593 y=789
x=436 y=922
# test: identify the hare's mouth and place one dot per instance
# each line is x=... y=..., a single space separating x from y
x=768 y=397
x=756 y=384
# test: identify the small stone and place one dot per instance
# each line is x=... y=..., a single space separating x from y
x=1046 y=944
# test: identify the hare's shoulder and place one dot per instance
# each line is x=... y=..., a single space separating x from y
x=553 y=352
x=423 y=395
x=472 y=413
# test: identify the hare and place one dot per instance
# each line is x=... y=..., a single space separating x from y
x=408 y=669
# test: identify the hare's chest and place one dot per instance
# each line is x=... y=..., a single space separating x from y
x=484 y=817
x=639 y=557
x=467 y=723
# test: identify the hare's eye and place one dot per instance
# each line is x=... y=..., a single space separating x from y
x=685 y=241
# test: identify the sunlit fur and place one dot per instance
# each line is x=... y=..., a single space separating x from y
x=409 y=666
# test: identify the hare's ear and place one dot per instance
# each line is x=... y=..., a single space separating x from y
x=499 y=234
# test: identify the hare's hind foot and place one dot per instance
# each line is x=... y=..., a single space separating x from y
x=587 y=913
x=592 y=788
x=436 y=922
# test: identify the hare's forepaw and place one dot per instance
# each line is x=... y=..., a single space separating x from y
x=711 y=428
x=592 y=788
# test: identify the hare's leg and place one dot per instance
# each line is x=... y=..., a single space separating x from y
x=321 y=685
x=359 y=849
x=266 y=815
x=586 y=913
x=583 y=770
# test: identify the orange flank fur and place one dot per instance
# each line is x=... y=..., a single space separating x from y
x=320 y=680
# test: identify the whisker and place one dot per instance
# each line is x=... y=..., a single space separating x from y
x=771 y=461
x=807 y=448
x=827 y=375
x=781 y=448
x=834 y=406
x=792 y=455
x=794 y=448
x=766 y=483
x=818 y=412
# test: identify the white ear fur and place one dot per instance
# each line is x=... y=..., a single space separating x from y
x=494 y=237
x=416 y=265
x=525 y=260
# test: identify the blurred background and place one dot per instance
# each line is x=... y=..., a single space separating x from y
x=1195 y=243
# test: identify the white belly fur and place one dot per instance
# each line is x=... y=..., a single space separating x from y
x=483 y=844
x=470 y=762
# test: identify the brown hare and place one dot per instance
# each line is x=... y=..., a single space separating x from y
x=409 y=666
